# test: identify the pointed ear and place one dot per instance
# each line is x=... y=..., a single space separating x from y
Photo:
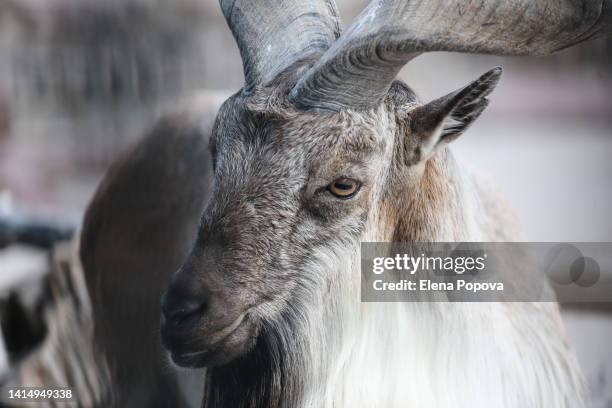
x=445 y=119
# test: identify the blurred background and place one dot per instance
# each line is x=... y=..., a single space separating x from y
x=81 y=80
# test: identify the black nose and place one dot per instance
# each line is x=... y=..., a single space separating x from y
x=177 y=308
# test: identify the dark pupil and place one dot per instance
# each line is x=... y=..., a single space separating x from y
x=343 y=186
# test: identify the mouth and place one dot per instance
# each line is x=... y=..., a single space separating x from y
x=210 y=348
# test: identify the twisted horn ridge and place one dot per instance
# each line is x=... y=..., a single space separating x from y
x=272 y=34
x=357 y=71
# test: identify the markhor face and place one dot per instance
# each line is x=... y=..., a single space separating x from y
x=284 y=187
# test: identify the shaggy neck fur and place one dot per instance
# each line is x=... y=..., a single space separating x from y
x=331 y=350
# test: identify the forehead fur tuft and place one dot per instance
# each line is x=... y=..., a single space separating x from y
x=268 y=105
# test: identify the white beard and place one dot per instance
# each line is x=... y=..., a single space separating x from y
x=431 y=354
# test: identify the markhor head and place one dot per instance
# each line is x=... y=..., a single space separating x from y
x=323 y=148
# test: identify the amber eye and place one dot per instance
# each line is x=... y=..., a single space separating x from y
x=344 y=187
